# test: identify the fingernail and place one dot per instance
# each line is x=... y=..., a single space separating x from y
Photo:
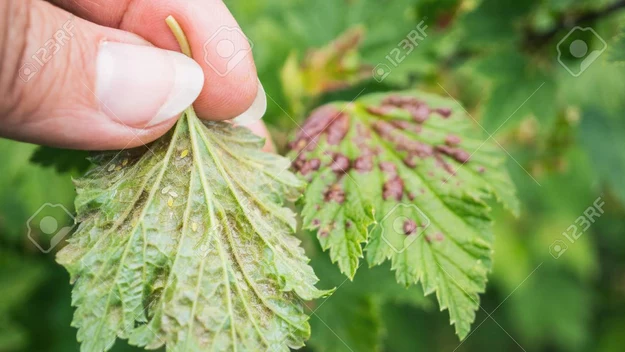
x=143 y=86
x=256 y=111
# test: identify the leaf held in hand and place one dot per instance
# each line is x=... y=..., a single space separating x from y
x=187 y=243
x=411 y=163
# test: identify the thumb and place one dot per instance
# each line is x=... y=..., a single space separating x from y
x=71 y=83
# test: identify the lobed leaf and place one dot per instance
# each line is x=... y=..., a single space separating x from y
x=186 y=243
x=62 y=160
x=411 y=163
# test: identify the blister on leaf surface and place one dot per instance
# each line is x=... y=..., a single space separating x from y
x=406 y=176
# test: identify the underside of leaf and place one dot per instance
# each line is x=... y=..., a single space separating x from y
x=186 y=243
x=406 y=175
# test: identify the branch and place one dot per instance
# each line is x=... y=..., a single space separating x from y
x=538 y=39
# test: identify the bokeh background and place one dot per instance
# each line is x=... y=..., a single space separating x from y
x=550 y=91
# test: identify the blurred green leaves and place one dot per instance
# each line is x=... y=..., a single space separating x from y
x=602 y=135
x=352 y=318
x=518 y=89
x=616 y=51
x=19 y=277
x=333 y=67
x=494 y=22
x=24 y=188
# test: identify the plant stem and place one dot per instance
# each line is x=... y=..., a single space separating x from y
x=537 y=39
x=177 y=31
x=179 y=34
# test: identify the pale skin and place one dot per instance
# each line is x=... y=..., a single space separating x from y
x=52 y=70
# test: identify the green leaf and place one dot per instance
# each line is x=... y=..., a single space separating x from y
x=186 y=243
x=413 y=163
x=62 y=160
x=519 y=89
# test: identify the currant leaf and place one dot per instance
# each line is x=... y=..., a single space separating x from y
x=412 y=163
x=62 y=160
x=186 y=243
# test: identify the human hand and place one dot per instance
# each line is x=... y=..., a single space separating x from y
x=107 y=74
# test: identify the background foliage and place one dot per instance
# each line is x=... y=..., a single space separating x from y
x=499 y=58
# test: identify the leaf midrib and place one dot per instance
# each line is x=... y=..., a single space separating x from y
x=192 y=119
